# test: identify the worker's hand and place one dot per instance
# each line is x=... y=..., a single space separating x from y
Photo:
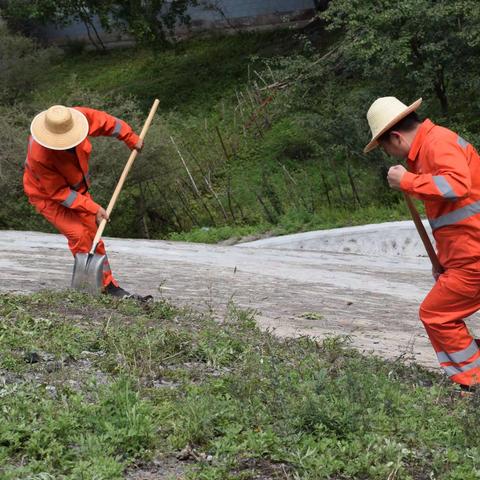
x=395 y=175
x=139 y=145
x=101 y=214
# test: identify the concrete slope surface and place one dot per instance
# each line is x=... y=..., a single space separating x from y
x=373 y=298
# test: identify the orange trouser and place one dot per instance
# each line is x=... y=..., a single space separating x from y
x=78 y=227
x=455 y=296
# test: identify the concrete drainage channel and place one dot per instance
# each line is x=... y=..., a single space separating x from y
x=388 y=239
x=364 y=282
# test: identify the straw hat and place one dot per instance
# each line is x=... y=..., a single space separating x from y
x=59 y=128
x=384 y=113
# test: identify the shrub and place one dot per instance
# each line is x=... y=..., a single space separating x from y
x=21 y=63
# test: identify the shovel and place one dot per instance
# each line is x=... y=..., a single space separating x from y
x=423 y=235
x=88 y=267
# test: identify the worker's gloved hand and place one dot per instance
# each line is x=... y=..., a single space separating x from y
x=101 y=214
x=139 y=145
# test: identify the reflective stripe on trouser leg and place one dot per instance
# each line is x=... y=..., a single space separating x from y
x=107 y=271
x=455 y=296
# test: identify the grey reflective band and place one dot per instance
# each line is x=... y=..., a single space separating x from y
x=450 y=371
x=68 y=202
x=445 y=188
x=460 y=356
x=455 y=216
x=462 y=142
x=118 y=127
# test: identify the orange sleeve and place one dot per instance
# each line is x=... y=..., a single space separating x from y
x=450 y=180
x=57 y=188
x=103 y=124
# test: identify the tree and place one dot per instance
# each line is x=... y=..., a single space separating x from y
x=150 y=21
x=147 y=21
x=430 y=46
x=59 y=13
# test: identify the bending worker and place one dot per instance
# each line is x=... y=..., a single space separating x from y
x=443 y=172
x=56 y=177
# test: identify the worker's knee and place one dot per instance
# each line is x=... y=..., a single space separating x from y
x=429 y=316
x=80 y=239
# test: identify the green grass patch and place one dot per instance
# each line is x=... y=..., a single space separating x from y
x=295 y=222
x=190 y=76
x=117 y=388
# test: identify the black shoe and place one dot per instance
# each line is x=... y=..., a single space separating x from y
x=119 y=292
x=468 y=390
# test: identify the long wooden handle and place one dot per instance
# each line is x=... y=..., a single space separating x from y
x=123 y=177
x=423 y=235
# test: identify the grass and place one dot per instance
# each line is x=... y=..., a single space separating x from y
x=119 y=390
x=192 y=76
x=295 y=222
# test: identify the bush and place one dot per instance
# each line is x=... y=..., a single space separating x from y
x=21 y=63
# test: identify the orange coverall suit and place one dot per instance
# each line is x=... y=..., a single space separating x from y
x=444 y=172
x=57 y=181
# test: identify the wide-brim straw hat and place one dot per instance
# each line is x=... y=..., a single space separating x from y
x=383 y=114
x=59 y=128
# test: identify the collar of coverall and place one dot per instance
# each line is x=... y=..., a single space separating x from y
x=422 y=132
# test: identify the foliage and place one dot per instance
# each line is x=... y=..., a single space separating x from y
x=425 y=46
x=266 y=136
x=151 y=21
x=99 y=388
x=26 y=15
x=21 y=62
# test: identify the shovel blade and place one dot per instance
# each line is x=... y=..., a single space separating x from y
x=88 y=273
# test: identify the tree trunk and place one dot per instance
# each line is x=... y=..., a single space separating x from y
x=441 y=91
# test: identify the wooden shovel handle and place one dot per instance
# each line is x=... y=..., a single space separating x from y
x=123 y=177
x=423 y=235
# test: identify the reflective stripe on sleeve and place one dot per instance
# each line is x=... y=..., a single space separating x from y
x=68 y=202
x=455 y=216
x=462 y=142
x=453 y=370
x=460 y=356
x=118 y=127
x=445 y=188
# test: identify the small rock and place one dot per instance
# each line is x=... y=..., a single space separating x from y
x=185 y=454
x=53 y=366
x=32 y=357
x=51 y=390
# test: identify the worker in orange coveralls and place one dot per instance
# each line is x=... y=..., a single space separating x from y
x=443 y=172
x=56 y=177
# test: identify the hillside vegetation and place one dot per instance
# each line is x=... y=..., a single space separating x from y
x=257 y=132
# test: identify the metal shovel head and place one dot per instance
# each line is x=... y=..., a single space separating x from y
x=88 y=273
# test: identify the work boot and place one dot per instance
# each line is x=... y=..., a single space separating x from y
x=467 y=391
x=119 y=292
